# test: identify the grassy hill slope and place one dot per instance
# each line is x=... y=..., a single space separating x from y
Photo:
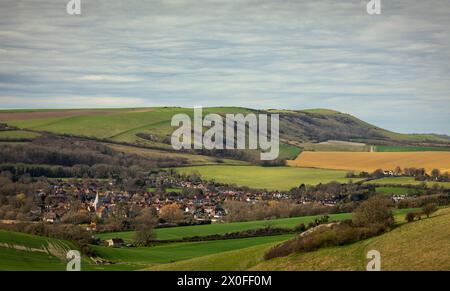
x=422 y=245
x=20 y=251
x=319 y=125
x=131 y=125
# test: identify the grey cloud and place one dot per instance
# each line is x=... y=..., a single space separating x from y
x=391 y=69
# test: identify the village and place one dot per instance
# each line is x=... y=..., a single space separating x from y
x=200 y=202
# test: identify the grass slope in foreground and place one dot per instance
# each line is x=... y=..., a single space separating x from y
x=24 y=252
x=422 y=245
x=172 y=252
x=272 y=178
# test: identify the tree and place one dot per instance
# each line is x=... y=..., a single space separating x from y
x=429 y=209
x=145 y=225
x=171 y=213
x=435 y=174
x=410 y=217
x=375 y=210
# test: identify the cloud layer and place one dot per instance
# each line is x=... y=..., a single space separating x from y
x=391 y=69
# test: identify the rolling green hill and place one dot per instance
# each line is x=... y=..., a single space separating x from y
x=151 y=126
x=421 y=245
x=20 y=251
x=173 y=252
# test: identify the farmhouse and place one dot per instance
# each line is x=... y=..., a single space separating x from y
x=115 y=242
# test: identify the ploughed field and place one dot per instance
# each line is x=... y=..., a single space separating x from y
x=371 y=161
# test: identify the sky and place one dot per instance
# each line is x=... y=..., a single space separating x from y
x=392 y=69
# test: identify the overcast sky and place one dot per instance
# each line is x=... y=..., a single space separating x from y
x=392 y=70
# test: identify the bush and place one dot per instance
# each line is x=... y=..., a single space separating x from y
x=325 y=236
x=376 y=210
x=410 y=217
x=429 y=209
x=300 y=228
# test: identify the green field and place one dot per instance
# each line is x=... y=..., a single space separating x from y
x=271 y=178
x=406 y=181
x=167 y=190
x=118 y=125
x=335 y=147
x=20 y=251
x=24 y=252
x=17 y=134
x=236 y=260
x=171 y=233
x=173 y=252
x=384 y=148
x=350 y=257
x=398 y=191
x=288 y=152
x=123 y=125
x=28 y=252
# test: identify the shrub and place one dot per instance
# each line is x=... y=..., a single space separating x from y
x=325 y=236
x=410 y=217
x=375 y=210
x=429 y=209
x=300 y=228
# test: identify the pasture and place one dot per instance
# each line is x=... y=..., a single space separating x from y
x=172 y=233
x=173 y=252
x=371 y=161
x=271 y=178
x=335 y=146
x=406 y=181
x=115 y=124
x=22 y=252
x=398 y=191
x=251 y=258
x=397 y=148
x=17 y=134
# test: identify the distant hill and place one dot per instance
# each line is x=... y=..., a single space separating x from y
x=319 y=125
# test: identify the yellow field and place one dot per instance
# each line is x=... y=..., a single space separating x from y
x=371 y=161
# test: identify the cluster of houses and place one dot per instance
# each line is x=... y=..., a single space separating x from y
x=104 y=197
x=202 y=201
